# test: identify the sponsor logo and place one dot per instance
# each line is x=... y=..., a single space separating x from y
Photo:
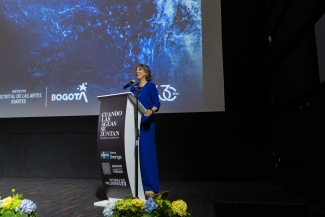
x=118 y=182
x=20 y=96
x=72 y=96
x=110 y=155
x=169 y=93
x=106 y=168
x=117 y=168
x=104 y=154
x=114 y=156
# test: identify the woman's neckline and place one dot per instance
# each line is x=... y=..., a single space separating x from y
x=142 y=85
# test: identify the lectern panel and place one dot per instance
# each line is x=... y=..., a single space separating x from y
x=110 y=145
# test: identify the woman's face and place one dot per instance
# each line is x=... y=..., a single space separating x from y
x=140 y=73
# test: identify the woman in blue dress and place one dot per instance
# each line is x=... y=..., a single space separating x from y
x=148 y=96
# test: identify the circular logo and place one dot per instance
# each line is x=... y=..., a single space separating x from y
x=169 y=93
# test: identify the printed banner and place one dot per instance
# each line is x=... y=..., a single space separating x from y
x=111 y=147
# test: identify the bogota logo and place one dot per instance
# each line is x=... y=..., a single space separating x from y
x=72 y=96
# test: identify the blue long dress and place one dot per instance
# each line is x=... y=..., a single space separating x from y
x=147 y=141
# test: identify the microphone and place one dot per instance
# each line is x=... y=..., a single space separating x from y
x=128 y=84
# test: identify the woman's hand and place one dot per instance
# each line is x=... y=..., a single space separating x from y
x=150 y=111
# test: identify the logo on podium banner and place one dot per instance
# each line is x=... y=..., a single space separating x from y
x=104 y=154
x=106 y=168
x=116 y=182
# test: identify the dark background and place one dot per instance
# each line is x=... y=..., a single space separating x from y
x=272 y=129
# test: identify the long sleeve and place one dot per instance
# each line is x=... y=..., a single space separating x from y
x=154 y=96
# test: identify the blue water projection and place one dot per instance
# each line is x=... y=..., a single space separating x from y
x=59 y=43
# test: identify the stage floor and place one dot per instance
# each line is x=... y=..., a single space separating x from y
x=75 y=198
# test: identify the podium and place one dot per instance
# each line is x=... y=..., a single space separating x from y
x=117 y=146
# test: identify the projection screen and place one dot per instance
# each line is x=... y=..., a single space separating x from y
x=57 y=56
